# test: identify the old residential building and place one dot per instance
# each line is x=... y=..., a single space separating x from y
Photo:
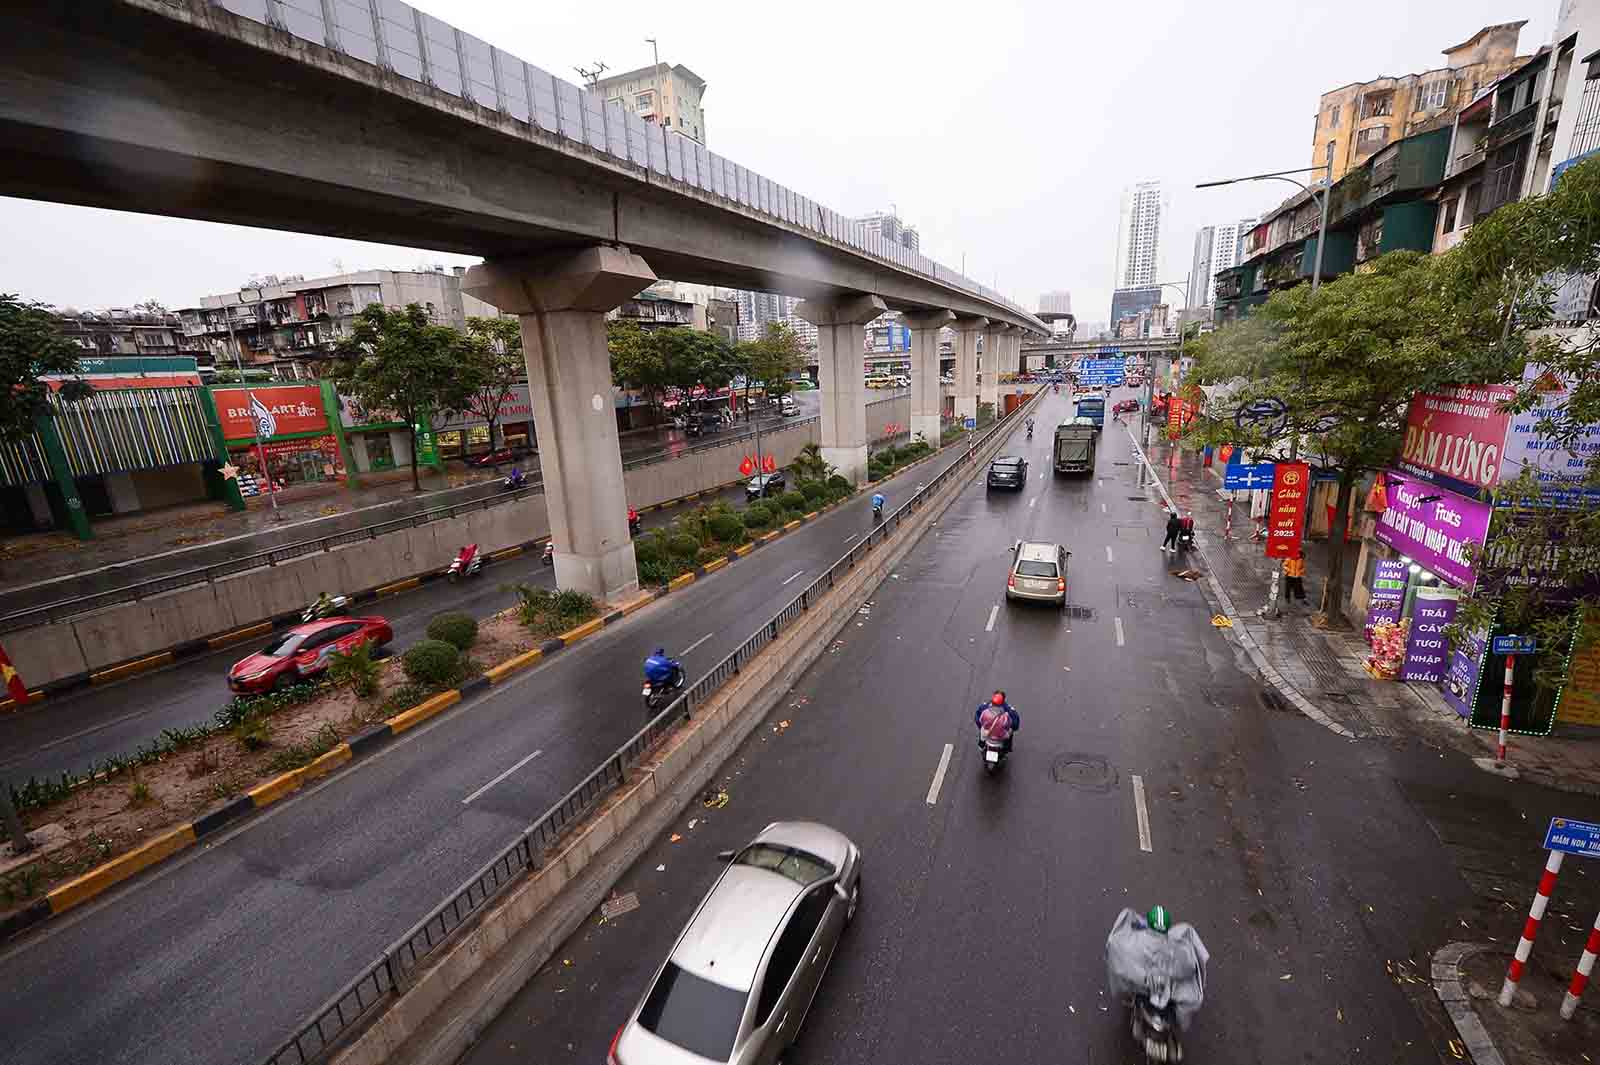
x=667 y=95
x=1355 y=121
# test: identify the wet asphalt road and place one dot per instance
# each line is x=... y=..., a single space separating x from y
x=1297 y=855
x=217 y=955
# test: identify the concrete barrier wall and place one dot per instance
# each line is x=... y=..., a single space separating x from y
x=91 y=642
x=886 y=412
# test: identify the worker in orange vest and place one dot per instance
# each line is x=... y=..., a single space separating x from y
x=1294 y=585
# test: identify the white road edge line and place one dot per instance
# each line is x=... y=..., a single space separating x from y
x=1142 y=814
x=852 y=536
x=1032 y=501
x=501 y=777
x=788 y=579
x=938 y=774
x=1102 y=508
x=700 y=641
x=994 y=612
x=1119 y=631
x=1108 y=554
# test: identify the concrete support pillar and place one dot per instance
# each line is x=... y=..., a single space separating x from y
x=844 y=388
x=966 y=391
x=996 y=341
x=927 y=399
x=562 y=300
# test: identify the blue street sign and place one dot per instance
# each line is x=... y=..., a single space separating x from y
x=1573 y=837
x=971 y=423
x=1513 y=645
x=1237 y=477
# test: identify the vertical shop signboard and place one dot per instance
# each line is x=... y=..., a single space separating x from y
x=1461 y=676
x=1427 y=650
x=1291 y=484
x=1388 y=592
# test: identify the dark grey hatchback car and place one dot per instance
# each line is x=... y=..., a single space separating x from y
x=1008 y=471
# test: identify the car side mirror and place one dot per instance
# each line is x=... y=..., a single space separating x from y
x=1016 y=547
x=727 y=856
x=838 y=889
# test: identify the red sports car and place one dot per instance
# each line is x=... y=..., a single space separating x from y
x=303 y=651
x=1124 y=406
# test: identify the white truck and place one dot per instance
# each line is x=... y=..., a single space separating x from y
x=1076 y=441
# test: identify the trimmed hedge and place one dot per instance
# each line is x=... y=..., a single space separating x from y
x=459 y=630
x=431 y=662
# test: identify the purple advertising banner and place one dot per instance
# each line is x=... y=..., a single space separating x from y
x=1388 y=592
x=1433 y=527
x=1427 y=651
x=1461 y=679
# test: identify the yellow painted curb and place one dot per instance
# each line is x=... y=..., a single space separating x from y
x=240 y=634
x=679 y=581
x=399 y=586
x=498 y=673
x=639 y=603
x=744 y=549
x=716 y=564
x=11 y=704
x=128 y=669
x=588 y=628
x=506 y=552
x=423 y=710
x=284 y=783
x=793 y=525
x=773 y=535
x=118 y=869
x=813 y=514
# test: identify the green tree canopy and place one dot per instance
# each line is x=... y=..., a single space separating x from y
x=495 y=352
x=31 y=346
x=403 y=362
x=773 y=357
x=1345 y=361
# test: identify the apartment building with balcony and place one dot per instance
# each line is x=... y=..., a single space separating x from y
x=134 y=343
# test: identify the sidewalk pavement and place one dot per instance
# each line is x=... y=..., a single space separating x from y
x=1491 y=825
x=1320 y=670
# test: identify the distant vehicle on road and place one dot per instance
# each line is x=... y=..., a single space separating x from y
x=902 y=381
x=1008 y=471
x=738 y=982
x=497 y=457
x=1124 y=406
x=1075 y=446
x=703 y=423
x=788 y=407
x=303 y=651
x=766 y=484
x=1092 y=407
x=1038 y=572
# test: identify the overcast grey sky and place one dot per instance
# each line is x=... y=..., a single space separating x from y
x=1004 y=131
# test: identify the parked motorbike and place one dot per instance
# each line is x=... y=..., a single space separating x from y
x=1186 y=540
x=467 y=563
x=657 y=696
x=320 y=609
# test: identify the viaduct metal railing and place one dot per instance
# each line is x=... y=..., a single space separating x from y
x=395 y=969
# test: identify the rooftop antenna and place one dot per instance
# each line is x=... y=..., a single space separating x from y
x=592 y=76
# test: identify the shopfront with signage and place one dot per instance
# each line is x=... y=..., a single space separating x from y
x=467 y=434
x=280 y=436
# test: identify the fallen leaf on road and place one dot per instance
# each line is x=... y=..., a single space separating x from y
x=1072 y=1009
x=715 y=801
x=567 y=962
x=1221 y=621
x=1338 y=1015
x=661 y=868
x=1287 y=976
x=674 y=838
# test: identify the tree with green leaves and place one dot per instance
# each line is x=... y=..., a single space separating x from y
x=1520 y=259
x=496 y=353
x=1346 y=361
x=772 y=358
x=401 y=361
x=30 y=347
x=636 y=360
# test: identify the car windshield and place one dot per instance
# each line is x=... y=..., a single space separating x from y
x=1026 y=568
x=798 y=866
x=284 y=645
x=691 y=1012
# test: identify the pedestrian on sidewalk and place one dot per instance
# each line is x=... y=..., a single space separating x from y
x=1294 y=584
x=1174 y=527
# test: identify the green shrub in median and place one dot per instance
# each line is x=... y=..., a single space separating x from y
x=683 y=545
x=793 y=501
x=726 y=527
x=815 y=492
x=546 y=613
x=358 y=670
x=757 y=516
x=431 y=662
x=457 y=629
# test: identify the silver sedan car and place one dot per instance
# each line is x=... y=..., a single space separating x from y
x=741 y=976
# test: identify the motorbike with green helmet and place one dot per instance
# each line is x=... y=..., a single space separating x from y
x=1159 y=969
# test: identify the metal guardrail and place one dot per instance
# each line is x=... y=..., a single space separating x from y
x=394 y=970
x=62 y=609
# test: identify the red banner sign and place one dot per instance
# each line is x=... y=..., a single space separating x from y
x=1453 y=438
x=276 y=410
x=14 y=687
x=1291 y=488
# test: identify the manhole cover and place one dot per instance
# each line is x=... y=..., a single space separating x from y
x=1088 y=772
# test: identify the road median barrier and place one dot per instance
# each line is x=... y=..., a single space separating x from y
x=435 y=990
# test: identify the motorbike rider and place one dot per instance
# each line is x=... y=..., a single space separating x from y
x=660 y=670
x=1186 y=529
x=997 y=719
x=323 y=607
x=1030 y=428
x=1164 y=963
x=515 y=478
x=877 y=504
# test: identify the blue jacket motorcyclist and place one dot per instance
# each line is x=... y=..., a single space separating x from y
x=659 y=669
x=878 y=501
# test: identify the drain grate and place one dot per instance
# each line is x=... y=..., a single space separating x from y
x=1080 y=612
x=1086 y=772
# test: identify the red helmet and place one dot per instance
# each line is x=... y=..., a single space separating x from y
x=998 y=699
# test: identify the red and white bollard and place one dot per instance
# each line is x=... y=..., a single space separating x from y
x=1580 y=978
x=1227 y=526
x=1505 y=711
x=1541 y=899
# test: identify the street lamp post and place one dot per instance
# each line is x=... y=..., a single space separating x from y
x=250 y=398
x=1271 y=606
